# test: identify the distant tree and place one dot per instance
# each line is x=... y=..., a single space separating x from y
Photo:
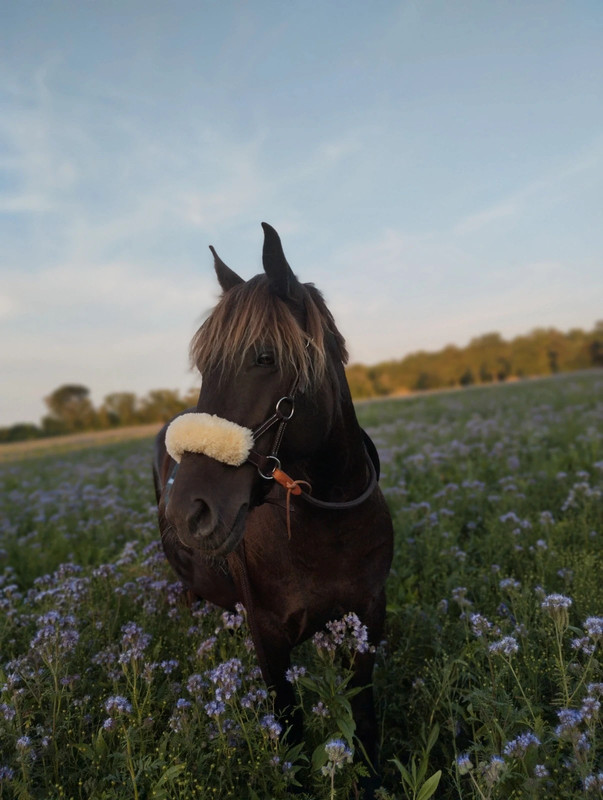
x=51 y=426
x=160 y=405
x=120 y=408
x=488 y=356
x=595 y=346
x=467 y=378
x=361 y=385
x=70 y=405
x=21 y=432
x=427 y=380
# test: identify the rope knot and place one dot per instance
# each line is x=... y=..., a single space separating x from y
x=292 y=487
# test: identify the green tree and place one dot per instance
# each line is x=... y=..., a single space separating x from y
x=71 y=407
x=121 y=408
x=22 y=431
x=359 y=381
x=160 y=405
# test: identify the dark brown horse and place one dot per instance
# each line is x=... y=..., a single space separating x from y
x=275 y=400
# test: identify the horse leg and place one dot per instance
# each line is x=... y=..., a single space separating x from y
x=363 y=704
x=274 y=658
x=363 y=709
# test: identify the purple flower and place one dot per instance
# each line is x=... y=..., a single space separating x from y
x=253 y=697
x=215 y=708
x=134 y=642
x=518 y=747
x=232 y=621
x=593 y=784
x=23 y=744
x=459 y=597
x=196 y=684
x=510 y=584
x=507 y=646
x=8 y=712
x=338 y=754
x=583 y=644
x=464 y=763
x=594 y=627
x=226 y=677
x=479 y=625
x=569 y=719
x=320 y=709
x=206 y=647
x=347 y=632
x=118 y=705
x=294 y=673
x=56 y=636
x=492 y=771
x=6 y=774
x=271 y=726
x=556 y=606
x=555 y=601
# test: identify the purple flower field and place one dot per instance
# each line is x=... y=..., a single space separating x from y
x=489 y=684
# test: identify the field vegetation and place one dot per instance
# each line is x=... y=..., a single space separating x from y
x=489 y=682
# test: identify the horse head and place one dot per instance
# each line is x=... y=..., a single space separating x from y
x=271 y=361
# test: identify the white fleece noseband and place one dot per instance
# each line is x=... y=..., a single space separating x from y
x=214 y=436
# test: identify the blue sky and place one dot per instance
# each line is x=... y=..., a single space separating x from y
x=435 y=167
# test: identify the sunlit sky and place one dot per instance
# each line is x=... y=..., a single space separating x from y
x=434 y=167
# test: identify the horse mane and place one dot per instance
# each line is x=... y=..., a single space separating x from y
x=251 y=315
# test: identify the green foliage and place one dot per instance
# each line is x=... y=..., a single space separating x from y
x=496 y=496
x=486 y=359
x=71 y=411
x=415 y=785
x=71 y=408
x=489 y=684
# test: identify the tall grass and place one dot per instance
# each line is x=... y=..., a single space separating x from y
x=489 y=684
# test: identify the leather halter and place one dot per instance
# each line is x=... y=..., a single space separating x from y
x=269 y=467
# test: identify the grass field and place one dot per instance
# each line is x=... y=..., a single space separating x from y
x=489 y=684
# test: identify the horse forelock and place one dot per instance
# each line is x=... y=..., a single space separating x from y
x=251 y=316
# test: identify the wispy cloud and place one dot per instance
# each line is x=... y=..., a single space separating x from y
x=549 y=188
x=474 y=222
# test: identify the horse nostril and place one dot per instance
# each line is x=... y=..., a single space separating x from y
x=199 y=518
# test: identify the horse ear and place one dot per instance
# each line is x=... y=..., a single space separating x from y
x=226 y=277
x=280 y=274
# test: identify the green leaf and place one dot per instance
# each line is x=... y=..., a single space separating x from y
x=169 y=774
x=404 y=773
x=319 y=756
x=430 y=785
x=347 y=727
x=433 y=737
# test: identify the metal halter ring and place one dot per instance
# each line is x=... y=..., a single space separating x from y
x=280 y=414
x=277 y=465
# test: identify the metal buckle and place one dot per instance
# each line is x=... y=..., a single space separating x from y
x=280 y=414
x=277 y=465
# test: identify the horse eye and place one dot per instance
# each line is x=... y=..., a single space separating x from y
x=265 y=359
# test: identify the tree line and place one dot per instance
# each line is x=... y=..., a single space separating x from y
x=70 y=410
x=485 y=359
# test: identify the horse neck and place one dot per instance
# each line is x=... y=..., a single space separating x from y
x=338 y=470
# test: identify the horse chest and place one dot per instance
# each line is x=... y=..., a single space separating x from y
x=312 y=576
